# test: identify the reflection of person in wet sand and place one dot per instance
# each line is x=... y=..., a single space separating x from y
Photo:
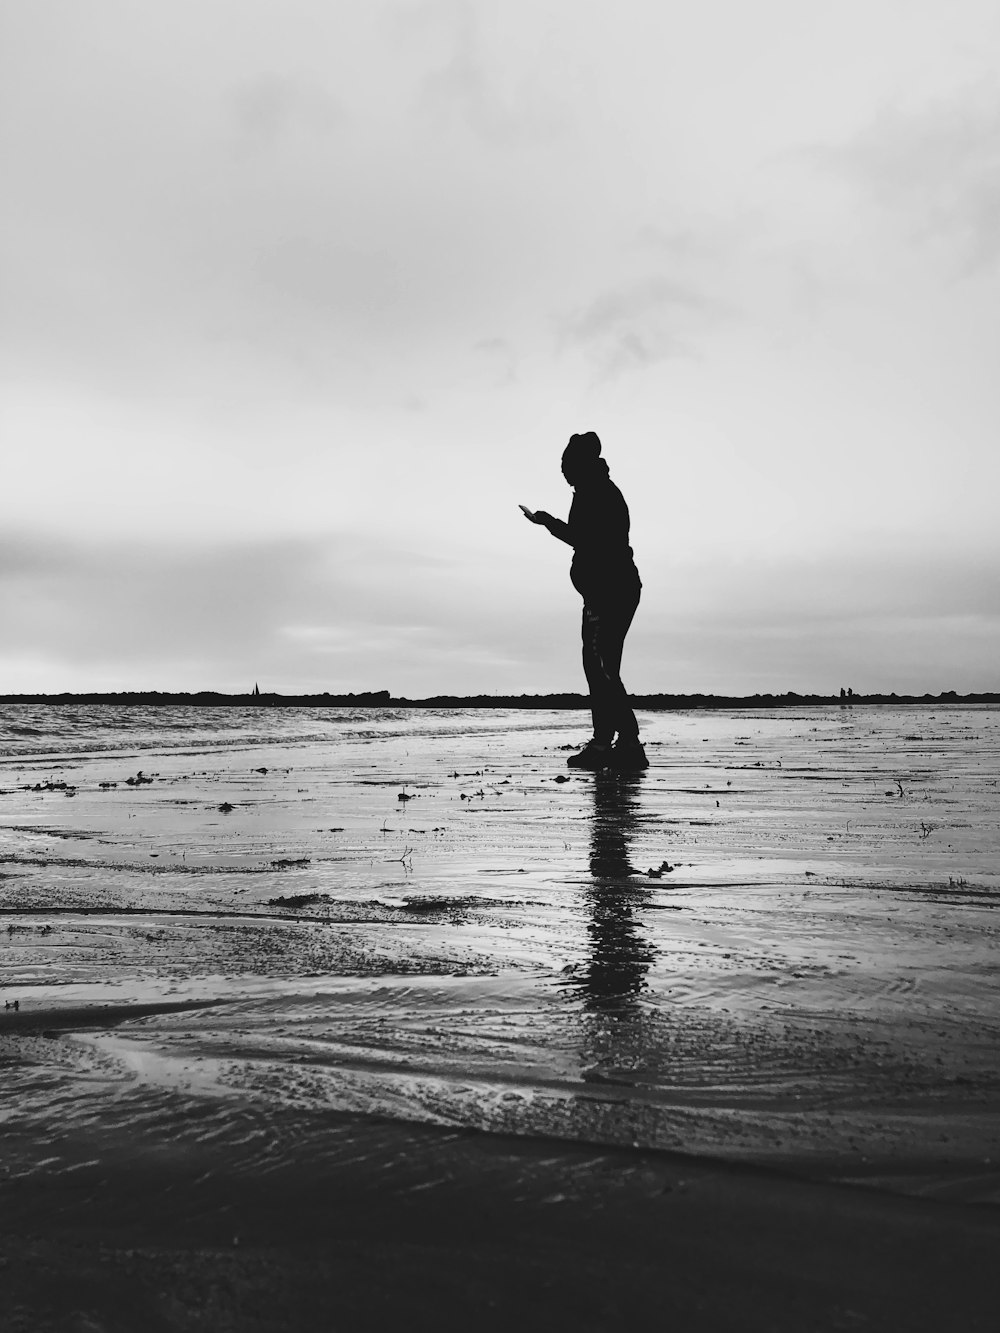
x=604 y=574
x=619 y=956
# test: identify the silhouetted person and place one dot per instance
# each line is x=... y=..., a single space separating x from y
x=604 y=574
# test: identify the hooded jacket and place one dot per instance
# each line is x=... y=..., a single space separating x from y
x=598 y=531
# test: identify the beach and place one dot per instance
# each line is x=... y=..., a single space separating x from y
x=388 y=1008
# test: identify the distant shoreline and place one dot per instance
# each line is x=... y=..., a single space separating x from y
x=383 y=699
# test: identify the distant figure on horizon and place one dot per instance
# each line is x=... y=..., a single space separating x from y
x=604 y=574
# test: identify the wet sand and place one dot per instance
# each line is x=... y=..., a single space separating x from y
x=525 y=1036
x=397 y=1226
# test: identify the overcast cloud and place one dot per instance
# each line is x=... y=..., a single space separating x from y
x=299 y=301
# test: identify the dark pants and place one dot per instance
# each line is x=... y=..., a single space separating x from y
x=606 y=621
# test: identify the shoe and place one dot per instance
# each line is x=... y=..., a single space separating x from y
x=627 y=757
x=592 y=756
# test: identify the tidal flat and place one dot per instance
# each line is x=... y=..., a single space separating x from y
x=265 y=940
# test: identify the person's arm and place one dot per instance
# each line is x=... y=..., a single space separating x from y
x=555 y=525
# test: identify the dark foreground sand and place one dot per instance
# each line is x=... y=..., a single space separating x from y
x=414 y=1228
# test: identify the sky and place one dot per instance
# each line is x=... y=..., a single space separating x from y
x=300 y=300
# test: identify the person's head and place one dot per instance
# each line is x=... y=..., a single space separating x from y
x=580 y=456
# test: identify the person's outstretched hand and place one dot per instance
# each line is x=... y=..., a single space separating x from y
x=539 y=516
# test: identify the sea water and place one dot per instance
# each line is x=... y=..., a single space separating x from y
x=777 y=944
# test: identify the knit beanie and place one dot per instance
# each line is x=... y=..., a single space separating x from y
x=582 y=450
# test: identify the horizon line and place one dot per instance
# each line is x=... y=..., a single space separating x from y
x=556 y=699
